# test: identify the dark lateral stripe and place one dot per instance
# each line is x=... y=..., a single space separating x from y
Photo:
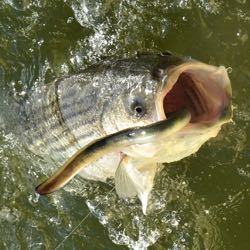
x=45 y=132
x=49 y=122
x=53 y=134
x=54 y=142
x=40 y=129
x=48 y=136
x=50 y=139
x=52 y=107
x=54 y=98
x=57 y=145
x=65 y=107
x=71 y=118
x=55 y=139
x=64 y=112
x=64 y=148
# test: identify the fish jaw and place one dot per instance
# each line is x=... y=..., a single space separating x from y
x=204 y=90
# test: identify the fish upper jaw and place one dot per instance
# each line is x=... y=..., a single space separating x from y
x=203 y=89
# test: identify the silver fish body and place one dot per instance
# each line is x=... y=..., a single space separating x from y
x=60 y=118
x=152 y=133
x=64 y=117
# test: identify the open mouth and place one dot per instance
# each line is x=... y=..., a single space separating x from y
x=202 y=89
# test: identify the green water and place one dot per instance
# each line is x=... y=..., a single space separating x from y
x=201 y=202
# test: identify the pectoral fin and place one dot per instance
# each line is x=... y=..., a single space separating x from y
x=135 y=177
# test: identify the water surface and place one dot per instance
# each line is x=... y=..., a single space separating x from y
x=201 y=202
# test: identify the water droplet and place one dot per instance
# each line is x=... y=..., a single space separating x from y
x=70 y=19
x=206 y=211
x=40 y=42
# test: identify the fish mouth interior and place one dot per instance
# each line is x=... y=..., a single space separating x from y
x=202 y=89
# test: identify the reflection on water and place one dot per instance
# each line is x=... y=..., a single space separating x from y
x=198 y=203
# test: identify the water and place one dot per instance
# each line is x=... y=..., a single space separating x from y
x=201 y=202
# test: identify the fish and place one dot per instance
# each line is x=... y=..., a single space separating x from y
x=138 y=135
x=123 y=118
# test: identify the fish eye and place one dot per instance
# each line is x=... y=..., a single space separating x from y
x=138 y=107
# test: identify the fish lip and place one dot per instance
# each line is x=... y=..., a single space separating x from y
x=210 y=93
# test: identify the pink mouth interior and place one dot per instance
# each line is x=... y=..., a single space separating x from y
x=202 y=94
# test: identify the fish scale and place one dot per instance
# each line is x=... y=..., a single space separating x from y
x=84 y=122
x=71 y=111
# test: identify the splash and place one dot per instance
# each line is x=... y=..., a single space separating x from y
x=52 y=39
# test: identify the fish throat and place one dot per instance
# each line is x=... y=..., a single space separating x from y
x=204 y=97
x=184 y=95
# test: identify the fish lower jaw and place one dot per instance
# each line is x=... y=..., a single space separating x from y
x=184 y=143
x=177 y=146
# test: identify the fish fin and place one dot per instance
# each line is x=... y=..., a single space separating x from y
x=135 y=177
x=128 y=179
x=144 y=201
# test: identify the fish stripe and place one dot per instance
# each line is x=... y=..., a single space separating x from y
x=112 y=143
x=55 y=129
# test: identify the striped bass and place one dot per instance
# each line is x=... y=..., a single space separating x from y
x=64 y=119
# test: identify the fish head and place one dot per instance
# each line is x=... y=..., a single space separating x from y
x=204 y=90
x=137 y=85
x=136 y=105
